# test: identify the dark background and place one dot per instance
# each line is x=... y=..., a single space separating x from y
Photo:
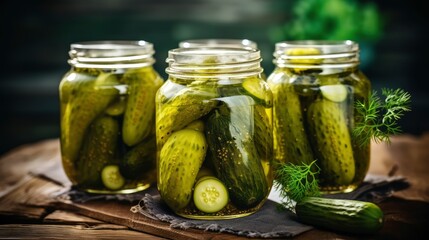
x=36 y=35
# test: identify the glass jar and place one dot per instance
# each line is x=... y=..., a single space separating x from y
x=214 y=138
x=107 y=111
x=210 y=42
x=315 y=87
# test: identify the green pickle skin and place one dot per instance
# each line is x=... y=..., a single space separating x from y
x=235 y=155
x=207 y=128
x=139 y=113
x=97 y=109
x=98 y=150
x=332 y=142
x=292 y=143
x=309 y=127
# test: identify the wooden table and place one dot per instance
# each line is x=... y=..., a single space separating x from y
x=27 y=208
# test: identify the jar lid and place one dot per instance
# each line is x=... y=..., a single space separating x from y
x=111 y=54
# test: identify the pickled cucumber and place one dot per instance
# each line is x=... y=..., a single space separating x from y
x=89 y=100
x=140 y=159
x=259 y=91
x=235 y=157
x=263 y=133
x=116 y=108
x=361 y=152
x=72 y=79
x=186 y=106
x=179 y=162
x=139 y=114
x=98 y=151
x=331 y=142
x=361 y=156
x=291 y=142
x=335 y=93
x=210 y=195
x=197 y=125
x=112 y=178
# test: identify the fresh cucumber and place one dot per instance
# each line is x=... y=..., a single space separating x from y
x=349 y=216
x=210 y=195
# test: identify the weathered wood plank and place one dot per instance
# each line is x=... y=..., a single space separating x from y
x=31 y=199
x=406 y=156
x=16 y=164
x=119 y=213
x=46 y=231
x=64 y=217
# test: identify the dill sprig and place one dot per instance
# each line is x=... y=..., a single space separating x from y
x=380 y=118
x=295 y=182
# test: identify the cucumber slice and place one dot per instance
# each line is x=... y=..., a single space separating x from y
x=112 y=178
x=210 y=195
x=259 y=91
x=335 y=93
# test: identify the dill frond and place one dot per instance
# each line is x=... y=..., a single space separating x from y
x=295 y=182
x=380 y=118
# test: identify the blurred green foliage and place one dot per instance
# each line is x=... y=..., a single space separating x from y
x=330 y=20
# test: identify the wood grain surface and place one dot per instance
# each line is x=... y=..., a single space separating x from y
x=31 y=177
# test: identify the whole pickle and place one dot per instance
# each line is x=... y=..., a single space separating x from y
x=186 y=106
x=235 y=157
x=139 y=113
x=290 y=137
x=263 y=133
x=98 y=151
x=140 y=159
x=332 y=142
x=179 y=163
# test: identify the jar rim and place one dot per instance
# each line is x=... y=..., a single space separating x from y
x=111 y=44
x=111 y=54
x=217 y=55
x=316 y=54
x=327 y=43
x=327 y=46
x=218 y=42
x=211 y=62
